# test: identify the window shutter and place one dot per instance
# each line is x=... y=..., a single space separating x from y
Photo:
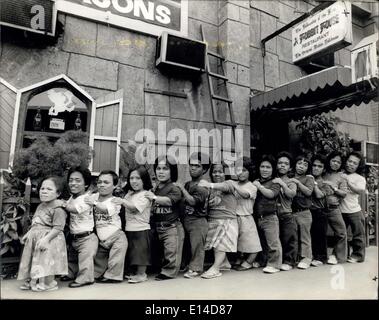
x=107 y=136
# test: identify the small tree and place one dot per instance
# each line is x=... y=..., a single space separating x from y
x=42 y=158
x=318 y=134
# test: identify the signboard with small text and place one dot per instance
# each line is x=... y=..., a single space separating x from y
x=324 y=32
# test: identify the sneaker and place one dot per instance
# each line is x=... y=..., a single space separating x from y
x=210 y=274
x=138 y=278
x=303 y=265
x=332 y=259
x=256 y=265
x=286 y=267
x=191 y=274
x=269 y=269
x=316 y=263
x=352 y=260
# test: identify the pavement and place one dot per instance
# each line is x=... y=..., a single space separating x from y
x=340 y=282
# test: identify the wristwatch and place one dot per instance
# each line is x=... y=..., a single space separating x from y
x=155 y=198
x=95 y=203
x=211 y=186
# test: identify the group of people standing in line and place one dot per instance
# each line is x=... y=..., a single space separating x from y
x=277 y=221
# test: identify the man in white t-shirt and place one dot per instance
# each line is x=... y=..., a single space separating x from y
x=350 y=207
x=84 y=241
x=113 y=242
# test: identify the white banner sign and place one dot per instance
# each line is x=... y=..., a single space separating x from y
x=147 y=16
x=324 y=32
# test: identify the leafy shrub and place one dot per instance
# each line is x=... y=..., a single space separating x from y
x=319 y=135
x=12 y=227
x=42 y=158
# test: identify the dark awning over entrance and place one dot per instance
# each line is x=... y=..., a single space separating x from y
x=320 y=92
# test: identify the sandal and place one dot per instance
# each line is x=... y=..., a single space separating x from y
x=211 y=274
x=42 y=287
x=26 y=285
x=244 y=266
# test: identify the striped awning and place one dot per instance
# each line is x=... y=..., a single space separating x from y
x=320 y=92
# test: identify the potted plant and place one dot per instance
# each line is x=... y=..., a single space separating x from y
x=14 y=222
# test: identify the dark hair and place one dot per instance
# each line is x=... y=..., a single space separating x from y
x=285 y=154
x=202 y=158
x=332 y=155
x=170 y=161
x=320 y=158
x=86 y=174
x=303 y=157
x=248 y=165
x=269 y=158
x=144 y=175
x=361 y=166
x=58 y=181
x=112 y=173
x=224 y=166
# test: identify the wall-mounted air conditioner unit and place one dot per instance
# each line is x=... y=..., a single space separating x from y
x=179 y=55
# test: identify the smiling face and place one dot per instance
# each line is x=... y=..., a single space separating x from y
x=76 y=184
x=105 y=184
x=352 y=164
x=335 y=163
x=218 y=174
x=135 y=181
x=48 y=191
x=283 y=166
x=163 y=172
x=265 y=170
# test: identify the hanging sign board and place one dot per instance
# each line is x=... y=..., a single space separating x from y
x=57 y=124
x=37 y=16
x=326 y=31
x=147 y=16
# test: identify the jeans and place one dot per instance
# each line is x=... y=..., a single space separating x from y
x=304 y=222
x=319 y=231
x=196 y=229
x=84 y=251
x=354 y=220
x=288 y=237
x=337 y=224
x=172 y=238
x=110 y=257
x=268 y=228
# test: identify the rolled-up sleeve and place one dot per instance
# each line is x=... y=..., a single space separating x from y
x=175 y=194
